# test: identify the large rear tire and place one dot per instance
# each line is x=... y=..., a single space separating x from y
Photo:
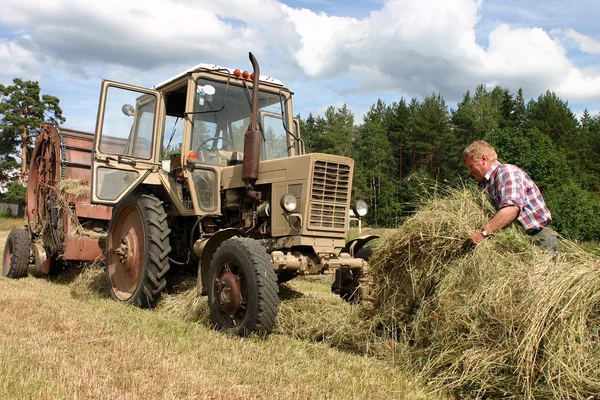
x=242 y=288
x=16 y=254
x=137 y=251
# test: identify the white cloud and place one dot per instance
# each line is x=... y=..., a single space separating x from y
x=327 y=43
x=585 y=43
x=581 y=86
x=528 y=58
x=406 y=47
x=17 y=61
x=418 y=47
x=146 y=34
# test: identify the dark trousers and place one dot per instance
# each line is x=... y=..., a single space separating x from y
x=544 y=238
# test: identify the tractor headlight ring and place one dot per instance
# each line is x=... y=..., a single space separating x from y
x=360 y=208
x=288 y=202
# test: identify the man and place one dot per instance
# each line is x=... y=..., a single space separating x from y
x=513 y=193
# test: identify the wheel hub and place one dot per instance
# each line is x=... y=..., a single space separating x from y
x=126 y=259
x=122 y=250
x=229 y=292
x=7 y=259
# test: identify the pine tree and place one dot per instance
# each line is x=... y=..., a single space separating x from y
x=487 y=110
x=312 y=129
x=586 y=121
x=340 y=131
x=519 y=116
x=397 y=121
x=22 y=112
x=431 y=134
x=375 y=167
x=553 y=117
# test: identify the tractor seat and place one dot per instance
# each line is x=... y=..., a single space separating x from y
x=237 y=158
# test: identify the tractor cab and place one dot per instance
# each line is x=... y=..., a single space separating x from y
x=184 y=132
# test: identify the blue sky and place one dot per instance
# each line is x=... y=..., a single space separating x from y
x=329 y=52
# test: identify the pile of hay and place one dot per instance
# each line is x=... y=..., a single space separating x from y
x=502 y=319
x=326 y=319
x=306 y=317
x=184 y=303
x=77 y=188
x=90 y=282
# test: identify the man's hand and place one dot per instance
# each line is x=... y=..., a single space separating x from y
x=503 y=217
x=477 y=237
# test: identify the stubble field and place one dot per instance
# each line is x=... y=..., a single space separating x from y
x=56 y=343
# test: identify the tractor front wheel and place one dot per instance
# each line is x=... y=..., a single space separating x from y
x=242 y=288
x=137 y=251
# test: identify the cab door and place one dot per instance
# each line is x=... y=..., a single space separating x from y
x=126 y=145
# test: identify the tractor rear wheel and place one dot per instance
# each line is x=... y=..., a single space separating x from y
x=137 y=251
x=242 y=288
x=16 y=254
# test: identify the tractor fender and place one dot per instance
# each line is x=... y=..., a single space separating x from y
x=353 y=246
x=204 y=249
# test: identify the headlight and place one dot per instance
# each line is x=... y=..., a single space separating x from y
x=360 y=208
x=288 y=202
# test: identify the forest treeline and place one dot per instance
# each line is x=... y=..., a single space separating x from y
x=404 y=148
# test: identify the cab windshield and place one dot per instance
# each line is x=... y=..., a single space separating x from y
x=221 y=116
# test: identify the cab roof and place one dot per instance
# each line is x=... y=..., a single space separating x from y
x=213 y=67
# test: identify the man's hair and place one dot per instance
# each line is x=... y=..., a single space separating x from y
x=477 y=149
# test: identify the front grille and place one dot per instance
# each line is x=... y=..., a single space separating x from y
x=330 y=192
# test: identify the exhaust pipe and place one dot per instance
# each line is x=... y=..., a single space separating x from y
x=252 y=139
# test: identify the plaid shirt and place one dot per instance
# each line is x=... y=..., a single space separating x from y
x=508 y=185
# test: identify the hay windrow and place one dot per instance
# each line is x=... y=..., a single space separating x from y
x=329 y=320
x=185 y=304
x=502 y=319
x=410 y=261
x=305 y=317
x=90 y=282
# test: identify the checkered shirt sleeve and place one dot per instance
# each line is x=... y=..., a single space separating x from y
x=511 y=186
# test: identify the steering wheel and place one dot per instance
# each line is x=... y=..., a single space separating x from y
x=212 y=139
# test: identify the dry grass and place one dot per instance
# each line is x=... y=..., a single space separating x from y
x=185 y=304
x=89 y=282
x=309 y=312
x=55 y=346
x=381 y=232
x=76 y=187
x=65 y=341
x=8 y=224
x=503 y=319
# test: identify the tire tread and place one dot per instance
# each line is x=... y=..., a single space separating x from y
x=153 y=279
x=19 y=262
x=267 y=289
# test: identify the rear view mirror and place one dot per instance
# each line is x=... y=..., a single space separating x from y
x=128 y=110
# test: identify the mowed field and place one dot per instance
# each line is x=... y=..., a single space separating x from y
x=58 y=345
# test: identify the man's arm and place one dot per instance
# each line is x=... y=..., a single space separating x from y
x=503 y=217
